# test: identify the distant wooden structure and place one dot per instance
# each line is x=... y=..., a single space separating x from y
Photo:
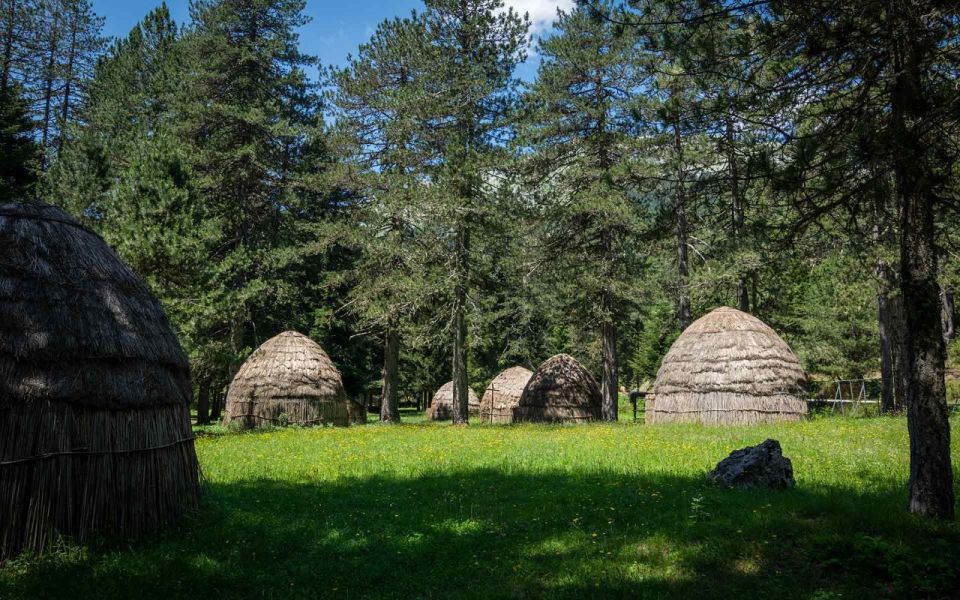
x=849 y=396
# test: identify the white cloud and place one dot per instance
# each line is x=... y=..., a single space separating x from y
x=542 y=12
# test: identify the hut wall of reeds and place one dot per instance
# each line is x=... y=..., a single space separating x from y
x=441 y=408
x=288 y=380
x=95 y=433
x=728 y=367
x=560 y=391
x=502 y=396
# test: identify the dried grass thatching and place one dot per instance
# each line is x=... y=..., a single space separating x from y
x=289 y=380
x=561 y=391
x=728 y=368
x=441 y=408
x=503 y=395
x=95 y=435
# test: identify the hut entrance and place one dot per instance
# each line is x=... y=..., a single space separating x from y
x=486 y=408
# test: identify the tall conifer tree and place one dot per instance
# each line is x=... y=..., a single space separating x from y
x=581 y=128
x=377 y=142
x=465 y=105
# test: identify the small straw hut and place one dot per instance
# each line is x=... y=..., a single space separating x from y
x=441 y=408
x=95 y=434
x=560 y=391
x=289 y=380
x=728 y=368
x=503 y=395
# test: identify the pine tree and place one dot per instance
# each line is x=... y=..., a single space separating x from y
x=133 y=96
x=66 y=43
x=18 y=151
x=465 y=104
x=16 y=30
x=581 y=128
x=252 y=120
x=905 y=116
x=856 y=92
x=671 y=133
x=377 y=144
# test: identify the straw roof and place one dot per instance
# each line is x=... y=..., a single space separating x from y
x=503 y=395
x=95 y=434
x=728 y=367
x=560 y=391
x=441 y=408
x=289 y=380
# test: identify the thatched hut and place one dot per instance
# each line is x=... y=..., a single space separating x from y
x=502 y=396
x=728 y=368
x=441 y=408
x=560 y=391
x=288 y=380
x=95 y=434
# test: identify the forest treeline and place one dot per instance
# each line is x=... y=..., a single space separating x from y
x=425 y=215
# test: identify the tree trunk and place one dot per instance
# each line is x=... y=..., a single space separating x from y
x=68 y=79
x=7 y=60
x=736 y=208
x=886 y=352
x=217 y=405
x=611 y=398
x=896 y=332
x=949 y=316
x=931 y=474
x=680 y=213
x=389 y=407
x=49 y=77
x=461 y=404
x=203 y=402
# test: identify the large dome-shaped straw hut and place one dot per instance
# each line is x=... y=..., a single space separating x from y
x=441 y=408
x=728 y=367
x=289 y=380
x=560 y=391
x=95 y=435
x=502 y=396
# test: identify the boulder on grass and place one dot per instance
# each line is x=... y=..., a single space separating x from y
x=761 y=466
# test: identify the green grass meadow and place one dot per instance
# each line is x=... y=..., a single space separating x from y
x=595 y=511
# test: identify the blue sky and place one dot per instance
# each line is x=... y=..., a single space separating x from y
x=338 y=26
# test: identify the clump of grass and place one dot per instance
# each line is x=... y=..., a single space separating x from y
x=622 y=510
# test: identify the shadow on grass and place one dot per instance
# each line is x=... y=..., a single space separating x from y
x=487 y=534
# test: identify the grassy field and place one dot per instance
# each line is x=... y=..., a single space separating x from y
x=433 y=511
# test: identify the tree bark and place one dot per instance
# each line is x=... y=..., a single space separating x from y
x=389 y=407
x=610 y=400
x=68 y=78
x=736 y=208
x=217 y=405
x=949 y=316
x=896 y=328
x=931 y=474
x=203 y=402
x=460 y=394
x=886 y=353
x=49 y=78
x=7 y=61
x=680 y=213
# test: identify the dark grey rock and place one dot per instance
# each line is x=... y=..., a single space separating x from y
x=761 y=466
